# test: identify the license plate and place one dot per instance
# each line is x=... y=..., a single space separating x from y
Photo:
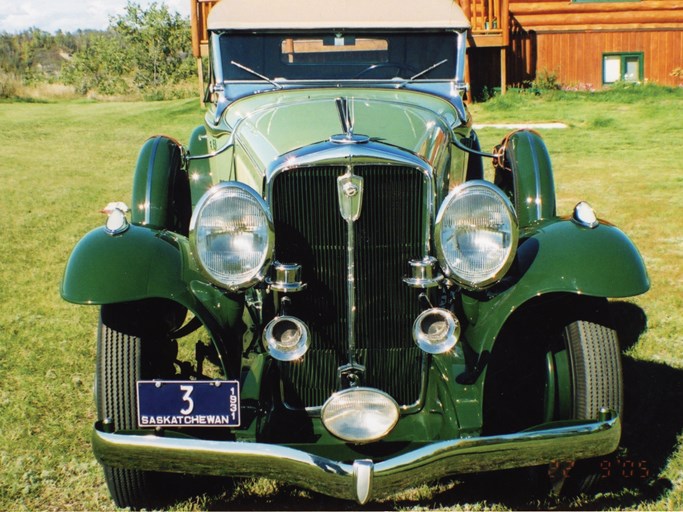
x=188 y=403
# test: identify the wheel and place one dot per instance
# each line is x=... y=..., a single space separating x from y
x=569 y=367
x=123 y=358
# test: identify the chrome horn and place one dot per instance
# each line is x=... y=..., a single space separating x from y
x=436 y=330
x=287 y=338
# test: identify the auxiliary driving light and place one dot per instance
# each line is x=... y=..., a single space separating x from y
x=360 y=415
x=436 y=330
x=287 y=338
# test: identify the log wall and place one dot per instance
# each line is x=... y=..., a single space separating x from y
x=576 y=58
x=568 y=39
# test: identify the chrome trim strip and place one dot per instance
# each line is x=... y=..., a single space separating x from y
x=150 y=181
x=351 y=305
x=217 y=61
x=461 y=58
x=329 y=153
x=350 y=195
x=219 y=84
x=559 y=442
x=230 y=142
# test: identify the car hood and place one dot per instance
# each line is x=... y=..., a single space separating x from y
x=266 y=127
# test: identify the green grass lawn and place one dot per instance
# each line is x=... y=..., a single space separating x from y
x=61 y=162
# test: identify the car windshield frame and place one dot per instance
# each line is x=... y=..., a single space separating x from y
x=322 y=56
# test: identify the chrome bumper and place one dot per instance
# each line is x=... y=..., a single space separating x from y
x=363 y=479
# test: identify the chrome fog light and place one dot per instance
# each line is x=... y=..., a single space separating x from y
x=287 y=338
x=436 y=330
x=360 y=415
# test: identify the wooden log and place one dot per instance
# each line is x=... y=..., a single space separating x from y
x=518 y=8
x=617 y=27
x=505 y=21
x=196 y=51
x=664 y=18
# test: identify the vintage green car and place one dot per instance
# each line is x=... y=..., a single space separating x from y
x=322 y=288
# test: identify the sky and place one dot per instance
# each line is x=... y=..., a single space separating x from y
x=69 y=15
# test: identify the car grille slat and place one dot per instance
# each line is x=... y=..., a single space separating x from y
x=309 y=230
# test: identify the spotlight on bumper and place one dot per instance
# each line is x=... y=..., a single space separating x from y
x=436 y=330
x=287 y=338
x=360 y=415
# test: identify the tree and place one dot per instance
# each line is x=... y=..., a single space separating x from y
x=157 y=44
x=99 y=65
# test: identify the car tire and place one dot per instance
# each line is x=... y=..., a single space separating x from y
x=596 y=368
x=123 y=358
x=569 y=367
x=598 y=384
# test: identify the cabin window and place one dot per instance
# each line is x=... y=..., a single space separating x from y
x=625 y=67
x=340 y=49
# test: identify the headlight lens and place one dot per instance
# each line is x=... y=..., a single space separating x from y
x=231 y=232
x=476 y=234
x=360 y=415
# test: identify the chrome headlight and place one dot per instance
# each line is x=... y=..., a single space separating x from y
x=232 y=235
x=476 y=234
x=360 y=415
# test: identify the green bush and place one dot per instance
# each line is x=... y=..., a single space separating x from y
x=546 y=81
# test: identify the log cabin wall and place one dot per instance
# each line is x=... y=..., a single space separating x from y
x=577 y=59
x=580 y=41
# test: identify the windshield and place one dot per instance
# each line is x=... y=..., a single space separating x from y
x=338 y=56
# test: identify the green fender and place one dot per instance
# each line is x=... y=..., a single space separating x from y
x=142 y=264
x=527 y=177
x=560 y=256
x=137 y=264
x=200 y=169
x=161 y=189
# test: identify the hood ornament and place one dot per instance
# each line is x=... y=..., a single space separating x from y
x=346 y=115
x=347 y=118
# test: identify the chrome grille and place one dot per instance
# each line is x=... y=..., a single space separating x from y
x=310 y=230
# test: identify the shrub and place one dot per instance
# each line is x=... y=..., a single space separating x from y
x=9 y=86
x=546 y=81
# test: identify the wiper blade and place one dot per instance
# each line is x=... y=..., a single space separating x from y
x=423 y=72
x=256 y=73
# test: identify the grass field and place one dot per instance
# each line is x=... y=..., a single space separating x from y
x=61 y=162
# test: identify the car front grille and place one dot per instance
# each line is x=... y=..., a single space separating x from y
x=309 y=230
